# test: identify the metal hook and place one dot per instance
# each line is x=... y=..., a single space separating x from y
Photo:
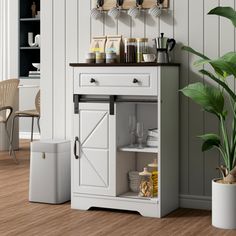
x=159 y=2
x=119 y=3
x=139 y=2
x=100 y=3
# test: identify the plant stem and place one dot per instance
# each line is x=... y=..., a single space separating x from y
x=226 y=145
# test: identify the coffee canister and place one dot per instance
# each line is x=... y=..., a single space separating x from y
x=90 y=57
x=111 y=57
x=141 y=48
x=130 y=50
x=100 y=57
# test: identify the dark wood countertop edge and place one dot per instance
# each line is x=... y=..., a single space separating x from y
x=122 y=64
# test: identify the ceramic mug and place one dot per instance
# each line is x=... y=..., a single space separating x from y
x=95 y=13
x=38 y=14
x=38 y=40
x=134 y=12
x=114 y=13
x=155 y=11
x=149 y=57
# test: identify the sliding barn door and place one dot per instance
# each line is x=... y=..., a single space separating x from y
x=94 y=150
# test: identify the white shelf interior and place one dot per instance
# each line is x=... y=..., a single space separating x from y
x=134 y=196
x=135 y=149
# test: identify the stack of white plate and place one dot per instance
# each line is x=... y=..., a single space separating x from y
x=152 y=138
x=134 y=181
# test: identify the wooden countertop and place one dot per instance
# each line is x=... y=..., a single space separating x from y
x=122 y=64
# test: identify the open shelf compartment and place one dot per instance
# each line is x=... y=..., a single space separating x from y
x=132 y=158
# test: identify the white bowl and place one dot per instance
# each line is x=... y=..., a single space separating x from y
x=36 y=65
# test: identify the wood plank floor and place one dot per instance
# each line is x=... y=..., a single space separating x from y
x=19 y=217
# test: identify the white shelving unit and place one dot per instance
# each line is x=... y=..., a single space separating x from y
x=28 y=55
x=105 y=96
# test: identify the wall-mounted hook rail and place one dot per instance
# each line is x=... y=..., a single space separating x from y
x=127 y=4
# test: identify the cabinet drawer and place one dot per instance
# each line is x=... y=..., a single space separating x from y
x=124 y=81
x=115 y=80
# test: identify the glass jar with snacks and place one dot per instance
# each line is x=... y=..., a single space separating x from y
x=146 y=184
x=154 y=171
x=130 y=50
x=141 y=48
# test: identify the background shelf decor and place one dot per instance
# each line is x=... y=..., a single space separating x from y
x=27 y=54
x=29 y=48
x=29 y=19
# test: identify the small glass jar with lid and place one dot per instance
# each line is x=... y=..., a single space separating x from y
x=141 y=48
x=146 y=184
x=130 y=50
x=154 y=171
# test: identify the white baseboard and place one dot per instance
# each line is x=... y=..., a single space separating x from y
x=195 y=202
x=27 y=135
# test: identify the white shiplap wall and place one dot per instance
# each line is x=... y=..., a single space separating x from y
x=66 y=33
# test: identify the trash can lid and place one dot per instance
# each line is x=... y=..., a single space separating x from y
x=51 y=146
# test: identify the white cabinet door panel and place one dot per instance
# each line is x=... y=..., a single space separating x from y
x=94 y=129
x=94 y=170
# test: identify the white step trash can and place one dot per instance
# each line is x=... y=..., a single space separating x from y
x=50 y=171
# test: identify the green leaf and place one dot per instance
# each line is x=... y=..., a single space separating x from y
x=210 y=98
x=227 y=12
x=224 y=66
x=230 y=57
x=210 y=141
x=227 y=67
x=201 y=62
x=220 y=82
x=205 y=60
x=191 y=50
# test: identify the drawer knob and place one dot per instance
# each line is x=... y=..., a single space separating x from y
x=135 y=81
x=92 y=81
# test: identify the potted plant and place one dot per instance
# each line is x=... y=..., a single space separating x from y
x=212 y=99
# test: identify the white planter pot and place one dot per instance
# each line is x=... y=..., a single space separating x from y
x=223 y=205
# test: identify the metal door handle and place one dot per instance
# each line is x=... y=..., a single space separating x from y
x=75 y=148
x=92 y=81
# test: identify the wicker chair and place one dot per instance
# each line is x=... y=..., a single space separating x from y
x=30 y=114
x=8 y=89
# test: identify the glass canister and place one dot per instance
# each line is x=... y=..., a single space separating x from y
x=130 y=50
x=141 y=48
x=146 y=184
x=154 y=171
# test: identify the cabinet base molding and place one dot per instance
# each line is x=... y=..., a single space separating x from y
x=195 y=202
x=144 y=207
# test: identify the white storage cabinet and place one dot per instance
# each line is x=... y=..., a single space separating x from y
x=104 y=98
